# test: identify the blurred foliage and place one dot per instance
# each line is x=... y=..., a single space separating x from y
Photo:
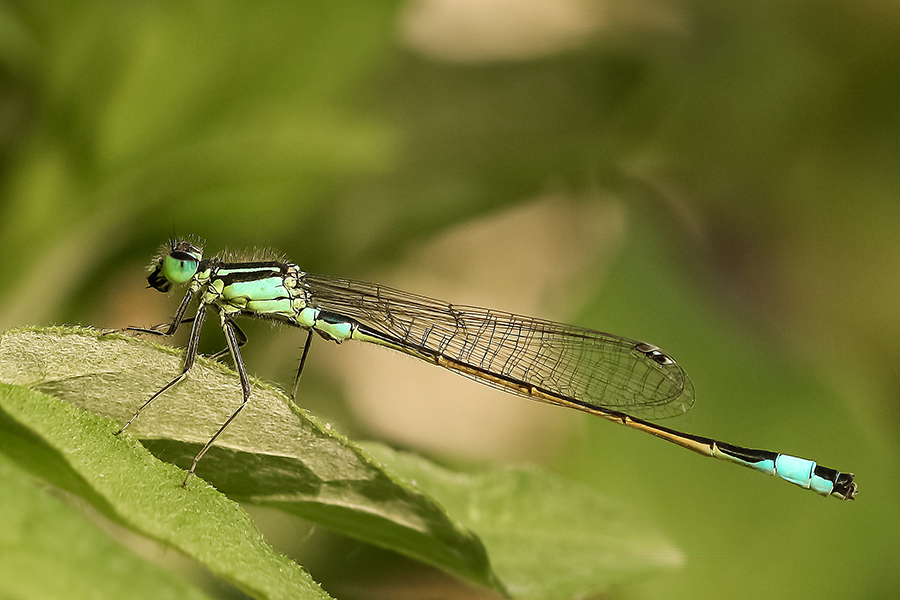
x=751 y=145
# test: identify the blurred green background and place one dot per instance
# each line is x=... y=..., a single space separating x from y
x=720 y=179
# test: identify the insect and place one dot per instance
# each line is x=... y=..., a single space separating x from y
x=619 y=379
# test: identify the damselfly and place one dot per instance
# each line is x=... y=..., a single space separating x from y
x=621 y=380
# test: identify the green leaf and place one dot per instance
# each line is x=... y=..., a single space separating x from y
x=78 y=451
x=546 y=538
x=273 y=454
x=48 y=550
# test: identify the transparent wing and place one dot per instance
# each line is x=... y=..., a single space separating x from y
x=587 y=366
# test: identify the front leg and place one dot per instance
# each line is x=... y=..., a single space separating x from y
x=189 y=357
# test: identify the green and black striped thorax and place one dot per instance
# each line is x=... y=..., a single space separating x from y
x=261 y=285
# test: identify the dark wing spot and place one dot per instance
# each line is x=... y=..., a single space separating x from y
x=654 y=352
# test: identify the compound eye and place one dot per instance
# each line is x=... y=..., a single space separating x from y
x=179 y=267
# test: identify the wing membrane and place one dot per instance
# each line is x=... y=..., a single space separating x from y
x=590 y=367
